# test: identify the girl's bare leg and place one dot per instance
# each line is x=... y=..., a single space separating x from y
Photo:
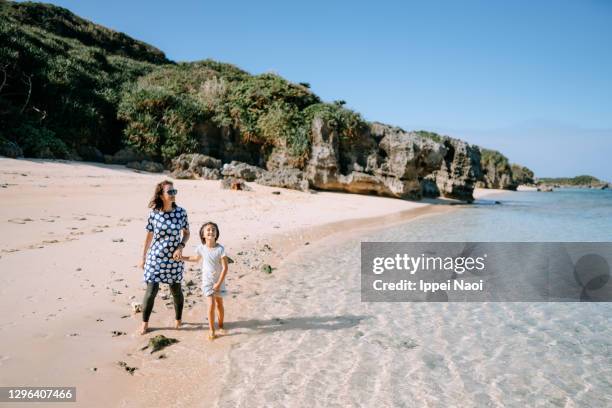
x=220 y=312
x=211 y=317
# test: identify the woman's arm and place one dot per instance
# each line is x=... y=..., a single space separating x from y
x=147 y=243
x=185 y=236
x=217 y=285
x=177 y=255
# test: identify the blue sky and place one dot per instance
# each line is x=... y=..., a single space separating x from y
x=532 y=79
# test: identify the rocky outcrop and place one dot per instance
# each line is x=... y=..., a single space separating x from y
x=227 y=144
x=379 y=159
x=285 y=178
x=195 y=165
x=375 y=159
x=241 y=170
x=497 y=172
x=458 y=174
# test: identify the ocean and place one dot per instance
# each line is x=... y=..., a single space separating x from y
x=315 y=343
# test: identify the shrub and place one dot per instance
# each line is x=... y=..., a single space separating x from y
x=40 y=142
x=160 y=123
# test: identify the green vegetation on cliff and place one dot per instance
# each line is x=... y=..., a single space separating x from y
x=163 y=108
x=494 y=159
x=61 y=79
x=582 y=180
x=66 y=83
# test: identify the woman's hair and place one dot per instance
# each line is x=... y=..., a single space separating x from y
x=202 y=231
x=156 y=202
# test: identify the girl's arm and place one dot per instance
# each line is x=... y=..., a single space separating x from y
x=193 y=258
x=217 y=285
x=147 y=242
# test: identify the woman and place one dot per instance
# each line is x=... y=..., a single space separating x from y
x=163 y=250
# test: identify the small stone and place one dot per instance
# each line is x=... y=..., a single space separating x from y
x=94 y=369
x=117 y=333
x=118 y=240
x=276 y=192
x=266 y=268
x=136 y=307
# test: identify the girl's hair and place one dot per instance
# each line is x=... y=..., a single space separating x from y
x=156 y=202
x=202 y=231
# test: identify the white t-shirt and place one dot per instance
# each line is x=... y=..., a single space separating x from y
x=211 y=262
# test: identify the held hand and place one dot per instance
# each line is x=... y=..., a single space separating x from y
x=141 y=264
x=178 y=254
x=216 y=287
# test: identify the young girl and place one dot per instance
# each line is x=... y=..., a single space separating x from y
x=214 y=269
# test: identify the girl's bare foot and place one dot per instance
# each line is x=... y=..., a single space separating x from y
x=211 y=335
x=177 y=324
x=144 y=329
x=222 y=331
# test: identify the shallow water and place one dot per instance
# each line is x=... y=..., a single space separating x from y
x=316 y=344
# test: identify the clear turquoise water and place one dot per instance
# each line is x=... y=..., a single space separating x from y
x=317 y=344
x=565 y=215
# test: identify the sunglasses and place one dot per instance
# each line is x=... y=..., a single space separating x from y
x=172 y=192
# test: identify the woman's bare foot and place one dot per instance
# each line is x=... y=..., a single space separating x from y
x=211 y=335
x=144 y=329
x=177 y=324
x=222 y=331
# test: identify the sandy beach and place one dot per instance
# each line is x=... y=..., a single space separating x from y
x=72 y=237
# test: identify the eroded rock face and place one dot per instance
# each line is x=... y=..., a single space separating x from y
x=458 y=174
x=226 y=143
x=380 y=159
x=285 y=178
x=241 y=170
x=194 y=165
x=497 y=177
x=376 y=159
